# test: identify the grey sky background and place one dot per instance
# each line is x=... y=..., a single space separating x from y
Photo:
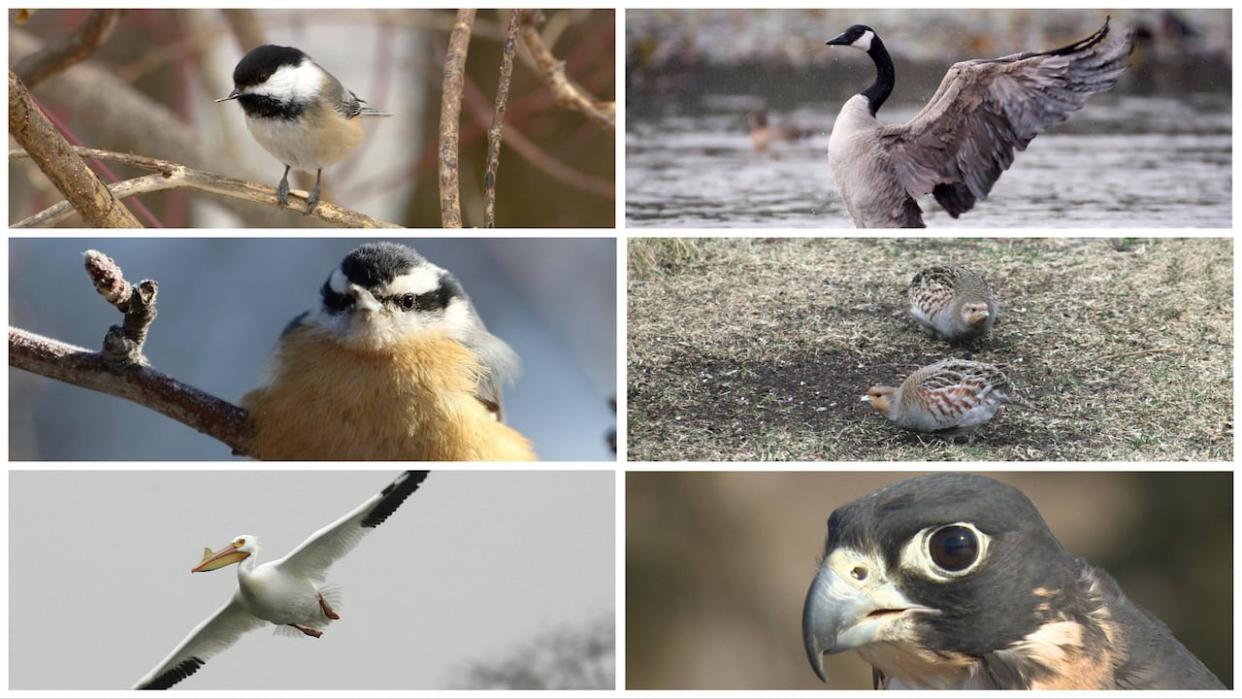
x=475 y=565
x=223 y=303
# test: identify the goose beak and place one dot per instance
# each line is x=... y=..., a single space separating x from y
x=838 y=40
x=232 y=96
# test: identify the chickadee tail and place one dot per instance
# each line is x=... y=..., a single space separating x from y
x=367 y=111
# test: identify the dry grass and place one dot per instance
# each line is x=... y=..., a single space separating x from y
x=758 y=349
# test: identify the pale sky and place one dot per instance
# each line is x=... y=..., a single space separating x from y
x=472 y=567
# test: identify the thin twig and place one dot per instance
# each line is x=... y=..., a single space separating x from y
x=120 y=370
x=567 y=93
x=170 y=175
x=56 y=158
x=536 y=156
x=450 y=114
x=495 y=133
x=73 y=48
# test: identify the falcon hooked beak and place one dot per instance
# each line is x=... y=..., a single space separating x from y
x=850 y=605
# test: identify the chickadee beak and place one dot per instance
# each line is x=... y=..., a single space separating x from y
x=232 y=96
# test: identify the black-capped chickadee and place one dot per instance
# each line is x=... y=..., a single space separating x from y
x=393 y=363
x=298 y=112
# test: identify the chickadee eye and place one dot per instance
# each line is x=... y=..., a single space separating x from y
x=953 y=548
x=407 y=302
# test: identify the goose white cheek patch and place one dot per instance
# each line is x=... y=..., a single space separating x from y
x=864 y=42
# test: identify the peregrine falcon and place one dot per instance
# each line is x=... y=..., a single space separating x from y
x=954 y=581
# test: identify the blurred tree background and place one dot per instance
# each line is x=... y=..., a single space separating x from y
x=574 y=657
x=149 y=90
x=718 y=564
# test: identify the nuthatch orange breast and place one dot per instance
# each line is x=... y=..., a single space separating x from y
x=393 y=364
x=298 y=112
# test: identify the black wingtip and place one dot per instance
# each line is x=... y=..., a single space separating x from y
x=175 y=674
x=393 y=495
x=1086 y=43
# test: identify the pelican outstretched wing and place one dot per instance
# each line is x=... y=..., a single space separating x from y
x=205 y=641
x=315 y=555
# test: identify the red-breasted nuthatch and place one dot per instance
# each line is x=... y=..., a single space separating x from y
x=393 y=364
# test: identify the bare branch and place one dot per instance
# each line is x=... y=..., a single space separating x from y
x=76 y=47
x=552 y=71
x=121 y=370
x=450 y=115
x=170 y=175
x=246 y=28
x=494 y=134
x=147 y=387
x=56 y=158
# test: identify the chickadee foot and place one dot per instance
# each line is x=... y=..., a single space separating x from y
x=282 y=190
x=313 y=200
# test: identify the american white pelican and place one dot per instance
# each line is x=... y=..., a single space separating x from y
x=286 y=592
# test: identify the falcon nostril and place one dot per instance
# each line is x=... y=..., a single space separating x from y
x=858 y=573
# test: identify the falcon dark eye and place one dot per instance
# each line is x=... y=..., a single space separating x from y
x=954 y=548
x=407 y=302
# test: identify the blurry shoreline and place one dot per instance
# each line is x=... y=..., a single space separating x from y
x=680 y=56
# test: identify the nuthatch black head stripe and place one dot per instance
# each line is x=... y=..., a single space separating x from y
x=297 y=111
x=953 y=581
x=383 y=294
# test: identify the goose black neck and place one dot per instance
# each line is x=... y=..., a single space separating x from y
x=884 y=76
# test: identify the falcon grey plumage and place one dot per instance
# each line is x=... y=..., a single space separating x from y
x=954 y=581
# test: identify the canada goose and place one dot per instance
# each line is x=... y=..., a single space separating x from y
x=957 y=146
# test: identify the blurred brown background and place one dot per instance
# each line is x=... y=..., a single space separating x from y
x=150 y=87
x=718 y=564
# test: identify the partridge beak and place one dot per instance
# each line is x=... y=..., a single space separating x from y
x=865 y=399
x=232 y=96
x=218 y=559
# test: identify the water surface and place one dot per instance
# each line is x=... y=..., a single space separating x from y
x=1122 y=161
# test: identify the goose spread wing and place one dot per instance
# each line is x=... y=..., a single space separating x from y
x=206 y=640
x=964 y=138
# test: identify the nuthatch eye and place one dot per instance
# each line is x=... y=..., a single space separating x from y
x=298 y=112
x=392 y=363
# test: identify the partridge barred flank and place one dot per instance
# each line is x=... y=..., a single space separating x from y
x=952 y=396
x=952 y=302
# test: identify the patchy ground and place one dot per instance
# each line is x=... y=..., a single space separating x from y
x=759 y=349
